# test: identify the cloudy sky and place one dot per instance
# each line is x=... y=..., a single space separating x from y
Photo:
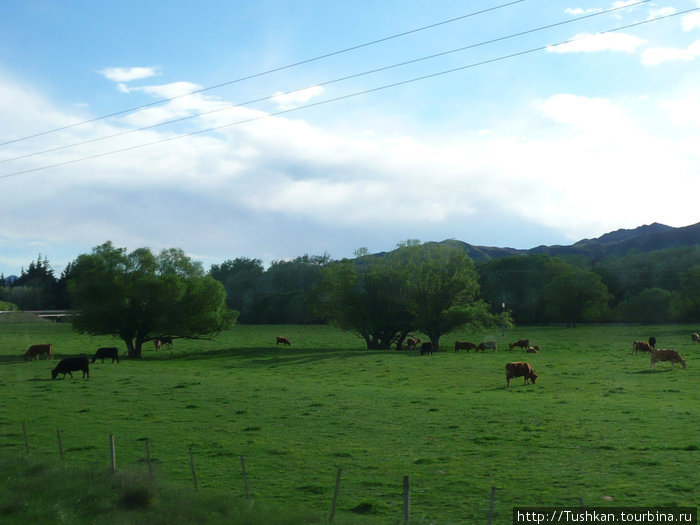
x=280 y=128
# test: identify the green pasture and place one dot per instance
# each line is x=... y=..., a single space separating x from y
x=598 y=426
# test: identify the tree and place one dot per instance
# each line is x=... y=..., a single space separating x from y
x=139 y=296
x=242 y=280
x=577 y=295
x=443 y=288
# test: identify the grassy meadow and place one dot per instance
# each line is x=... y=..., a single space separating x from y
x=598 y=426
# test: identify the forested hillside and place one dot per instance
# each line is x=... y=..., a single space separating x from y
x=647 y=275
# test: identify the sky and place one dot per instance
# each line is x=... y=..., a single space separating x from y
x=274 y=129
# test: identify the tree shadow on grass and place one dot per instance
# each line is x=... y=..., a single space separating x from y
x=653 y=371
x=273 y=357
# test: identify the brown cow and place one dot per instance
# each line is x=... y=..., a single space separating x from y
x=158 y=344
x=641 y=346
x=283 y=340
x=666 y=355
x=464 y=345
x=519 y=369
x=695 y=337
x=36 y=350
x=522 y=343
x=487 y=345
x=412 y=342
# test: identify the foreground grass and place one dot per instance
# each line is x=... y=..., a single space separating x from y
x=598 y=425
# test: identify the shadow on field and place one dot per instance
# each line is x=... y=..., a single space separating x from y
x=255 y=357
x=657 y=371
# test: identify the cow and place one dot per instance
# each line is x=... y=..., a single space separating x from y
x=283 y=340
x=519 y=369
x=531 y=350
x=487 y=345
x=652 y=341
x=426 y=348
x=464 y=345
x=695 y=337
x=157 y=343
x=36 y=350
x=666 y=355
x=412 y=342
x=641 y=346
x=106 y=352
x=522 y=343
x=71 y=364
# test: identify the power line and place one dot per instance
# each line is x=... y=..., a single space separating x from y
x=349 y=77
x=256 y=75
x=348 y=96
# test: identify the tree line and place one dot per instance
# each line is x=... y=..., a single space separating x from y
x=656 y=287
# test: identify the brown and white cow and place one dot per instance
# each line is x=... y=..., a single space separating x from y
x=36 y=350
x=412 y=342
x=662 y=354
x=520 y=369
x=531 y=350
x=695 y=337
x=522 y=343
x=640 y=346
x=283 y=340
x=464 y=345
x=487 y=345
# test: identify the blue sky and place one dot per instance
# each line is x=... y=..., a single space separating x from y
x=548 y=137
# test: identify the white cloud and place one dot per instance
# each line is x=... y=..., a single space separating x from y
x=659 y=55
x=297 y=98
x=591 y=43
x=576 y=11
x=691 y=21
x=127 y=74
x=663 y=11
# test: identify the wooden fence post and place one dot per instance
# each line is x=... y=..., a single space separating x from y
x=493 y=497
x=406 y=500
x=60 y=445
x=335 y=495
x=148 y=459
x=26 y=440
x=194 y=472
x=245 y=477
x=112 y=456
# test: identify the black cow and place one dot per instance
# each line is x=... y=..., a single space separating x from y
x=426 y=348
x=71 y=364
x=106 y=352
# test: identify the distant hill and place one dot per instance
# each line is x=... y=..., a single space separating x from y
x=643 y=239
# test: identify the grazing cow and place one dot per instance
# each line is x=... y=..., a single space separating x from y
x=520 y=369
x=106 y=352
x=695 y=337
x=426 y=348
x=522 y=343
x=641 y=346
x=652 y=341
x=464 y=345
x=71 y=364
x=487 y=345
x=283 y=340
x=531 y=350
x=412 y=342
x=36 y=350
x=666 y=355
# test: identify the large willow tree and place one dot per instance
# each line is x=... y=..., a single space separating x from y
x=140 y=296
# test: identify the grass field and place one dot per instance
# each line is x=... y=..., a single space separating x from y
x=598 y=425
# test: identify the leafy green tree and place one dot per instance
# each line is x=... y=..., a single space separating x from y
x=369 y=300
x=651 y=305
x=242 y=278
x=140 y=296
x=576 y=296
x=443 y=288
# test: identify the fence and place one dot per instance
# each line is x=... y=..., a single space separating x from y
x=406 y=507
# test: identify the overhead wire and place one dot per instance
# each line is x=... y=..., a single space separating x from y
x=322 y=84
x=263 y=73
x=347 y=96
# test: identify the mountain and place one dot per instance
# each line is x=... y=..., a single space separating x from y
x=643 y=239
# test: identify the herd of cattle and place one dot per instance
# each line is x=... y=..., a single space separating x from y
x=513 y=369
